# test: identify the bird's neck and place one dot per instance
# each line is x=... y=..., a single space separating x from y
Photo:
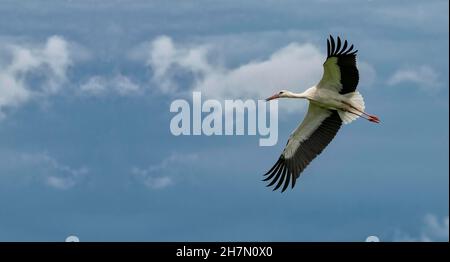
x=305 y=94
x=297 y=95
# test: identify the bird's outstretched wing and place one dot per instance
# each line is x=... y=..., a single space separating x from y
x=309 y=139
x=340 y=71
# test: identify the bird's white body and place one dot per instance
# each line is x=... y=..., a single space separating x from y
x=349 y=106
x=324 y=98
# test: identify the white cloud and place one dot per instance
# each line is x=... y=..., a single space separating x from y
x=124 y=86
x=436 y=228
x=32 y=71
x=60 y=182
x=41 y=168
x=424 y=77
x=154 y=182
x=100 y=85
x=95 y=85
x=12 y=92
x=433 y=229
x=55 y=174
x=56 y=55
x=162 y=175
x=295 y=67
x=168 y=61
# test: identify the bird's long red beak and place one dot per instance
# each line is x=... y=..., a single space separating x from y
x=273 y=97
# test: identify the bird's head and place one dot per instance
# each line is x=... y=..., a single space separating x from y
x=281 y=94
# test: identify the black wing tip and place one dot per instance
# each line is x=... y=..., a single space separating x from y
x=336 y=49
x=278 y=174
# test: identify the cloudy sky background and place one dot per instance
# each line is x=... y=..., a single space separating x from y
x=85 y=145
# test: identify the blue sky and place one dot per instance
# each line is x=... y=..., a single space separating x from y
x=86 y=149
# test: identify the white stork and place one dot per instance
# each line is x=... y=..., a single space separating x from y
x=333 y=101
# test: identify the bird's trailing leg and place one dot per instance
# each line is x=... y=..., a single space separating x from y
x=371 y=118
x=363 y=116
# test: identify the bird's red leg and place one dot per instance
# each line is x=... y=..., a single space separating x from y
x=371 y=118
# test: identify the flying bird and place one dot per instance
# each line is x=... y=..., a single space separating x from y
x=333 y=101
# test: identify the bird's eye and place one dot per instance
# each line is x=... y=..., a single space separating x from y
x=281 y=93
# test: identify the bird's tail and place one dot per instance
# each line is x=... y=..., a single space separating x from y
x=356 y=100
